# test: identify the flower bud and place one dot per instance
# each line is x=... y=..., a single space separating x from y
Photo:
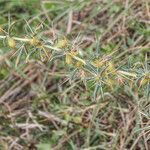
x=11 y=43
x=62 y=43
x=143 y=82
x=79 y=64
x=69 y=59
x=34 y=41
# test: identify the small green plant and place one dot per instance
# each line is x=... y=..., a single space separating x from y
x=101 y=71
x=74 y=74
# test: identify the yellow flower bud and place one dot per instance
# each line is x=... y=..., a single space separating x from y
x=69 y=59
x=79 y=64
x=97 y=78
x=98 y=63
x=62 y=43
x=111 y=67
x=11 y=42
x=34 y=41
x=145 y=79
x=143 y=82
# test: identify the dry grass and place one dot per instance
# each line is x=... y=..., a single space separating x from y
x=44 y=104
